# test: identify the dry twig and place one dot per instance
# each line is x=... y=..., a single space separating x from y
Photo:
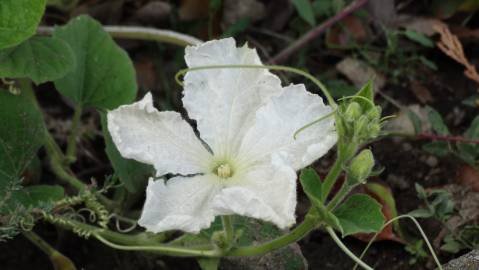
x=452 y=47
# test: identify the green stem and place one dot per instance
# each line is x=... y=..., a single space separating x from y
x=39 y=242
x=338 y=197
x=346 y=250
x=138 y=242
x=310 y=223
x=75 y=132
x=331 y=178
x=141 y=33
x=228 y=230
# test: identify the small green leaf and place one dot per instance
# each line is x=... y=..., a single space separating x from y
x=19 y=20
x=367 y=91
x=421 y=213
x=133 y=174
x=438 y=148
x=467 y=151
x=472 y=101
x=40 y=58
x=21 y=134
x=237 y=28
x=360 y=214
x=104 y=76
x=428 y=63
x=208 y=263
x=437 y=122
x=311 y=184
x=415 y=120
x=419 y=38
x=34 y=195
x=305 y=11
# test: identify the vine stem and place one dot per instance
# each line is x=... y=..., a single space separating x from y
x=75 y=132
x=346 y=250
x=315 y=32
x=331 y=178
x=421 y=231
x=141 y=33
x=310 y=223
x=39 y=242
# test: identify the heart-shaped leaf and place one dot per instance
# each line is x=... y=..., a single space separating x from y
x=360 y=214
x=40 y=58
x=104 y=76
x=19 y=20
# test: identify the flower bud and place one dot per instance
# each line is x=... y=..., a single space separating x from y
x=361 y=167
x=353 y=111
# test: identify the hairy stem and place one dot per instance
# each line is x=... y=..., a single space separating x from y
x=75 y=132
x=141 y=33
x=331 y=178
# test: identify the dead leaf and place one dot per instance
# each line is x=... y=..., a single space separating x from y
x=348 y=33
x=422 y=25
x=234 y=10
x=468 y=176
x=194 y=9
x=421 y=92
x=359 y=73
x=402 y=122
x=153 y=12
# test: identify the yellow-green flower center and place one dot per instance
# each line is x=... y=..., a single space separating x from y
x=224 y=170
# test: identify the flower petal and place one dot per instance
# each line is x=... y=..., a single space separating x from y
x=223 y=101
x=183 y=203
x=162 y=139
x=266 y=192
x=272 y=135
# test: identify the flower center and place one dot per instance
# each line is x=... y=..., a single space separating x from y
x=224 y=170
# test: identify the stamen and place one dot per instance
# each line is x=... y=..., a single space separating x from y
x=224 y=171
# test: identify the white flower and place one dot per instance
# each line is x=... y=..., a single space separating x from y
x=246 y=160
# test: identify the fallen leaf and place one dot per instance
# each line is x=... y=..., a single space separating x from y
x=468 y=176
x=153 y=12
x=359 y=73
x=421 y=92
x=349 y=32
x=234 y=10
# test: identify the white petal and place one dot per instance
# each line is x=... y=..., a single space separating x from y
x=162 y=139
x=223 y=101
x=183 y=203
x=272 y=135
x=266 y=192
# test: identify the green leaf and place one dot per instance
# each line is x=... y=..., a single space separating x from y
x=305 y=11
x=419 y=38
x=133 y=174
x=311 y=184
x=208 y=263
x=40 y=58
x=21 y=134
x=236 y=28
x=367 y=91
x=19 y=20
x=360 y=214
x=415 y=120
x=428 y=63
x=467 y=151
x=472 y=101
x=437 y=122
x=34 y=195
x=104 y=76
x=438 y=148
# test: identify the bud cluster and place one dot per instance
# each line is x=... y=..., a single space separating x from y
x=358 y=121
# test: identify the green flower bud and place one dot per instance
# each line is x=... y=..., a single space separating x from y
x=353 y=112
x=361 y=167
